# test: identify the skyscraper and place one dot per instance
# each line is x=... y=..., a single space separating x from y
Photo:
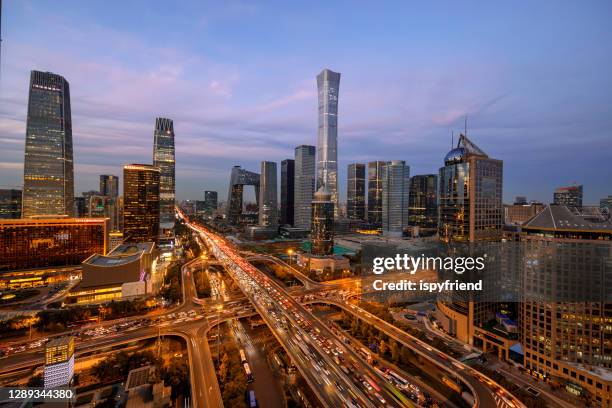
x=328 y=83
x=163 y=159
x=423 y=201
x=59 y=362
x=109 y=185
x=375 y=172
x=322 y=223
x=470 y=197
x=140 y=203
x=238 y=179
x=10 y=203
x=210 y=201
x=48 y=176
x=355 y=192
x=287 y=191
x=570 y=196
x=396 y=181
x=268 y=204
x=304 y=185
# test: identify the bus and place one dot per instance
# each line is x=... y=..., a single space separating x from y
x=251 y=400
x=247 y=371
x=242 y=356
x=398 y=379
x=365 y=352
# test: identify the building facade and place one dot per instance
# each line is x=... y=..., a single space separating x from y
x=570 y=196
x=268 y=193
x=355 y=192
x=423 y=202
x=48 y=172
x=518 y=214
x=328 y=83
x=164 y=160
x=59 y=362
x=109 y=185
x=304 y=185
x=375 y=192
x=238 y=179
x=10 y=203
x=396 y=181
x=565 y=306
x=287 y=191
x=322 y=234
x=210 y=201
x=47 y=242
x=141 y=203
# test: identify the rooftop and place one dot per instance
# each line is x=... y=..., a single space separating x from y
x=561 y=217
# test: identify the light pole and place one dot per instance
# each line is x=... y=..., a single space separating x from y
x=290 y=253
x=219 y=308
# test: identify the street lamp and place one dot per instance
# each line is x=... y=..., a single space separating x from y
x=290 y=253
x=219 y=308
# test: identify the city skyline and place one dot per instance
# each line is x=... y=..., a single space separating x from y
x=411 y=122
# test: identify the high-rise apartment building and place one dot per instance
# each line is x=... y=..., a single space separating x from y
x=48 y=174
x=322 y=233
x=570 y=196
x=164 y=160
x=375 y=173
x=268 y=193
x=423 y=202
x=287 y=191
x=328 y=83
x=59 y=362
x=10 y=203
x=140 y=203
x=304 y=185
x=396 y=181
x=355 y=192
x=109 y=185
x=210 y=201
x=565 y=308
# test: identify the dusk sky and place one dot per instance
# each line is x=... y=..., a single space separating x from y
x=238 y=79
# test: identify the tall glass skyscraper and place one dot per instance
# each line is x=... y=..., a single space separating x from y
x=423 y=202
x=268 y=204
x=287 y=191
x=395 y=185
x=48 y=176
x=322 y=223
x=163 y=159
x=328 y=83
x=355 y=192
x=375 y=172
x=109 y=185
x=141 y=203
x=304 y=185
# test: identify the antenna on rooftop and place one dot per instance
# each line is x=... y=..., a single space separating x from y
x=465 y=126
x=452 y=139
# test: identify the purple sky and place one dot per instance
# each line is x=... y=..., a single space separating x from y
x=238 y=78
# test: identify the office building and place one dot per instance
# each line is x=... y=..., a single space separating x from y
x=328 y=83
x=517 y=214
x=470 y=198
x=163 y=159
x=375 y=172
x=46 y=242
x=125 y=272
x=238 y=179
x=396 y=181
x=140 y=203
x=520 y=200
x=109 y=185
x=565 y=307
x=322 y=234
x=355 y=192
x=570 y=196
x=10 y=203
x=210 y=201
x=48 y=174
x=423 y=203
x=470 y=211
x=304 y=185
x=59 y=362
x=287 y=191
x=268 y=193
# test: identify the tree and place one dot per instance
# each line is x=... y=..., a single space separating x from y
x=383 y=347
x=394 y=348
